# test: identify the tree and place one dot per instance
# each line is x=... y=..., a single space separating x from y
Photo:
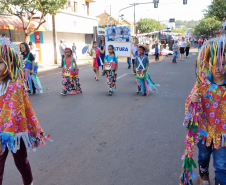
x=206 y=26
x=216 y=10
x=180 y=30
x=189 y=24
x=31 y=8
x=149 y=25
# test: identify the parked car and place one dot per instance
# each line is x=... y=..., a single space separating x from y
x=165 y=52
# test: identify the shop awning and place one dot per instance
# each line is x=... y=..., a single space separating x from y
x=13 y=23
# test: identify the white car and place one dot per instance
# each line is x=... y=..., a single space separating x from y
x=165 y=52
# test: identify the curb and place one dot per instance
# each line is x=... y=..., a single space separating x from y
x=47 y=68
x=54 y=67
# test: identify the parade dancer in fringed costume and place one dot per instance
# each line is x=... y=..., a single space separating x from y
x=30 y=70
x=70 y=81
x=144 y=81
x=110 y=69
x=205 y=116
x=19 y=127
x=97 y=62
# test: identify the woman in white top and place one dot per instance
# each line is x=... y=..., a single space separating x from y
x=182 y=48
x=32 y=48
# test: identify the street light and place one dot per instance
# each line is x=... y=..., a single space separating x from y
x=108 y=19
x=122 y=15
x=134 y=5
x=156 y=3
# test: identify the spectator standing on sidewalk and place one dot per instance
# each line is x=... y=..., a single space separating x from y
x=62 y=50
x=101 y=46
x=148 y=49
x=74 y=51
x=32 y=48
x=157 y=50
x=188 y=47
x=182 y=48
x=175 y=51
x=129 y=62
x=134 y=50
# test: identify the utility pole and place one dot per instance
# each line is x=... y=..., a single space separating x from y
x=134 y=4
x=134 y=18
x=54 y=39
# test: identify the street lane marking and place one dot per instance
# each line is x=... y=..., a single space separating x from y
x=121 y=76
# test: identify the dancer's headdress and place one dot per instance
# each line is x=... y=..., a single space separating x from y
x=210 y=58
x=10 y=54
x=143 y=46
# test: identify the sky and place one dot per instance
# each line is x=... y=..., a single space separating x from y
x=167 y=9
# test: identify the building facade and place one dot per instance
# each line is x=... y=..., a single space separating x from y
x=73 y=25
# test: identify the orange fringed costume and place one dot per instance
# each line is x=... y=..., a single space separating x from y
x=18 y=120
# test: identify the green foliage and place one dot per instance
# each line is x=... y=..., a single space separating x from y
x=180 y=30
x=216 y=10
x=189 y=24
x=32 y=8
x=149 y=25
x=206 y=26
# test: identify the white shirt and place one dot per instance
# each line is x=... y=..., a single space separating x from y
x=182 y=44
x=61 y=47
x=134 y=49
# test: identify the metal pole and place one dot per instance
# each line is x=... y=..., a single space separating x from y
x=121 y=10
x=54 y=39
x=134 y=19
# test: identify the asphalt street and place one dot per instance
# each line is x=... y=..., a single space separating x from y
x=124 y=139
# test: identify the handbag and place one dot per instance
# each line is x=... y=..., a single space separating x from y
x=69 y=71
x=28 y=66
x=140 y=74
x=110 y=65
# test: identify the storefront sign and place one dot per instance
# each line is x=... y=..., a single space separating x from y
x=122 y=49
x=37 y=37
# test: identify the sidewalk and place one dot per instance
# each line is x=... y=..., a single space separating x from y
x=44 y=66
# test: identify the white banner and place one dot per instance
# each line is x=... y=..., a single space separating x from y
x=122 y=49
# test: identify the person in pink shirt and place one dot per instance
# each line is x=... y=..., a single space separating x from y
x=70 y=80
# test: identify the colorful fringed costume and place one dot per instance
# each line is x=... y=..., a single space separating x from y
x=17 y=119
x=33 y=82
x=144 y=82
x=110 y=65
x=206 y=120
x=19 y=127
x=70 y=81
x=97 y=62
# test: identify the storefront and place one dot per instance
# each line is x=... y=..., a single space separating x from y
x=70 y=27
x=12 y=27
